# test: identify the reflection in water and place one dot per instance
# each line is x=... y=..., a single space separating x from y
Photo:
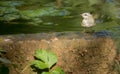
x=44 y=16
x=49 y=24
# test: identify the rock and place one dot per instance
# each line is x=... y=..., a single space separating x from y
x=77 y=53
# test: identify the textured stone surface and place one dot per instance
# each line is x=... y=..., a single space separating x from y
x=77 y=53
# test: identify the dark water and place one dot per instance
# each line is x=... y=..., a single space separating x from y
x=50 y=24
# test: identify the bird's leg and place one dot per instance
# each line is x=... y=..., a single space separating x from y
x=84 y=30
x=92 y=30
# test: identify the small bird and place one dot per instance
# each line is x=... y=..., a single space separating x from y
x=88 y=20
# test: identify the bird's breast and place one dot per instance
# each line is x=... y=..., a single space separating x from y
x=88 y=22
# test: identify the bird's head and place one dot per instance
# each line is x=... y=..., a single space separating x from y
x=86 y=15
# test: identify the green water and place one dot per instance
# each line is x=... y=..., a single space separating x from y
x=51 y=24
x=38 y=16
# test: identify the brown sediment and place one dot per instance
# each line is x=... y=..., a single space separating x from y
x=77 y=54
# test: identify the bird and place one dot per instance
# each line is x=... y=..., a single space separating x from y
x=88 y=20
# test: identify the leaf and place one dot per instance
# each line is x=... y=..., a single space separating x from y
x=52 y=59
x=48 y=58
x=46 y=73
x=4 y=60
x=40 y=65
x=41 y=54
x=58 y=71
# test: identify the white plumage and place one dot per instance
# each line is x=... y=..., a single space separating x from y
x=88 y=20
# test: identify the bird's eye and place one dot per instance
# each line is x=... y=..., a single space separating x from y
x=85 y=14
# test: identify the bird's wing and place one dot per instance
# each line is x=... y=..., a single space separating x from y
x=85 y=23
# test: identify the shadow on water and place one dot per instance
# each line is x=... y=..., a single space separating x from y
x=19 y=28
x=49 y=24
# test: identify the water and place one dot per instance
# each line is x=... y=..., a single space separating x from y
x=42 y=16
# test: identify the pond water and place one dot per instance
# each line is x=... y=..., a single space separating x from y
x=51 y=24
x=38 y=16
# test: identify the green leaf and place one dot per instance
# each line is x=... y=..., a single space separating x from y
x=4 y=60
x=47 y=57
x=58 y=71
x=51 y=59
x=41 y=54
x=46 y=73
x=39 y=64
